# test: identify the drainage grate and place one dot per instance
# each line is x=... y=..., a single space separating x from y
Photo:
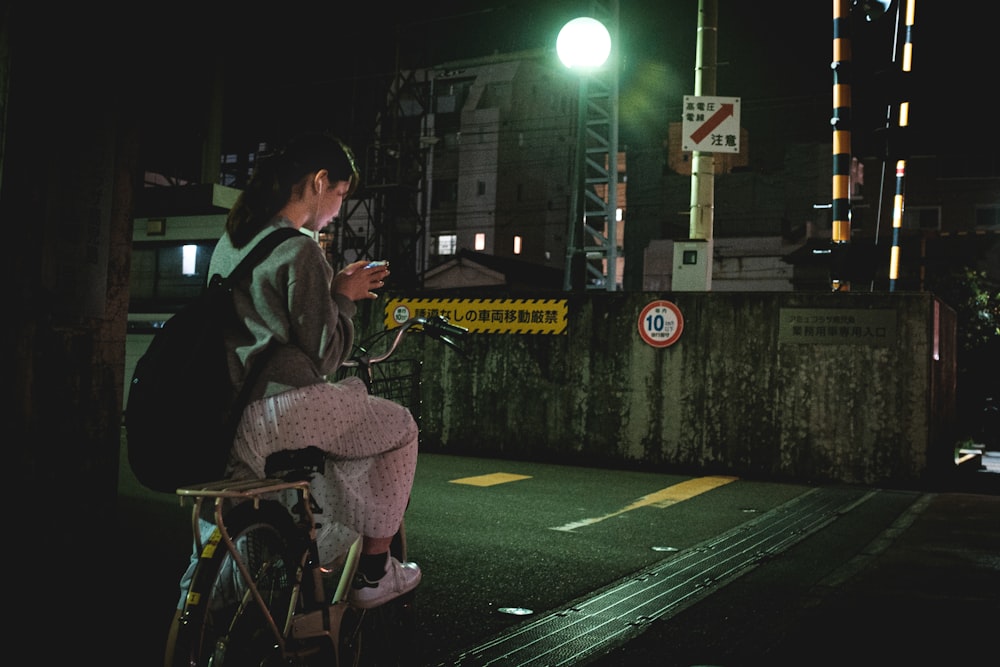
x=594 y=625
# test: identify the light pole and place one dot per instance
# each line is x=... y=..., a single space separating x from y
x=584 y=46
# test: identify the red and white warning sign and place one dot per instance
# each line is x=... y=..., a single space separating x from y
x=711 y=124
x=661 y=323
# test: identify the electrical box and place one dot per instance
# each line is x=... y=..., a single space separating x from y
x=692 y=266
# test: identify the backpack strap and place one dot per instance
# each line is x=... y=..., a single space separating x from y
x=259 y=252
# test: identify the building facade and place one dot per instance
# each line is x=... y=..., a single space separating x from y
x=492 y=145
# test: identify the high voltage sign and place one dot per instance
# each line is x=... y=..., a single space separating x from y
x=508 y=316
x=711 y=124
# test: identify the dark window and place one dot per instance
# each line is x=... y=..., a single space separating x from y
x=445 y=194
x=925 y=218
x=988 y=217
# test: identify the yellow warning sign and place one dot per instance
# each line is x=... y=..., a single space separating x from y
x=513 y=316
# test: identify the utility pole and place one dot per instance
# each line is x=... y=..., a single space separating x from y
x=702 y=163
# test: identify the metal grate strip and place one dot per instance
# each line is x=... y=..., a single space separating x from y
x=595 y=624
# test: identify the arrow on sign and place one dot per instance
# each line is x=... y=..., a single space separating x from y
x=724 y=112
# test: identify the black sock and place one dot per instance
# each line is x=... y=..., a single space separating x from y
x=373 y=565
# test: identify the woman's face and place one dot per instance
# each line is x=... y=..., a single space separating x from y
x=328 y=205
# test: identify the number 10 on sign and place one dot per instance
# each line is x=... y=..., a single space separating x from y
x=661 y=323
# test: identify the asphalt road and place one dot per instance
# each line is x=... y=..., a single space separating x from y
x=741 y=571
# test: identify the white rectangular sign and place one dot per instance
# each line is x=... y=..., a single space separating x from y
x=711 y=124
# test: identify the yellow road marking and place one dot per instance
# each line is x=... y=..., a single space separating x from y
x=491 y=479
x=662 y=498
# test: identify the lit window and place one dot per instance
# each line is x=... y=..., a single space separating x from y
x=447 y=243
x=162 y=276
x=480 y=241
x=189 y=260
x=517 y=245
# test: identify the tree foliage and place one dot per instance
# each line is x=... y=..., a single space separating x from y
x=976 y=302
x=975 y=298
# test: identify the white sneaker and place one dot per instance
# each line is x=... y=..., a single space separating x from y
x=399 y=578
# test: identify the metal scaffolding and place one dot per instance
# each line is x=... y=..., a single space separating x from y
x=386 y=218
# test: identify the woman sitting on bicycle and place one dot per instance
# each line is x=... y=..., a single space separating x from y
x=296 y=303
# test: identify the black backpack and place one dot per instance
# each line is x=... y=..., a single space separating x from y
x=182 y=409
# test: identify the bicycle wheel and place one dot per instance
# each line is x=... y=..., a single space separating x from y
x=221 y=624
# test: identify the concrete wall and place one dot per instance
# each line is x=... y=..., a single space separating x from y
x=845 y=387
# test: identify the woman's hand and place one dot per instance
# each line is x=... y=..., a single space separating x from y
x=357 y=281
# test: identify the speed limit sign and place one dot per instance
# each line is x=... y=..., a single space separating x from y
x=661 y=323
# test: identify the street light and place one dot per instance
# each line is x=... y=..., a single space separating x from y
x=583 y=45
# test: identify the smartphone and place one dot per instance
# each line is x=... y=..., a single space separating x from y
x=377 y=262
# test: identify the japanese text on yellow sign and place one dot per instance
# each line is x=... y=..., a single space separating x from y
x=513 y=316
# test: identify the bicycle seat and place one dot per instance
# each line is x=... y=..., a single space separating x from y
x=295 y=461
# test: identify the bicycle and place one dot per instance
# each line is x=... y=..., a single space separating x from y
x=259 y=595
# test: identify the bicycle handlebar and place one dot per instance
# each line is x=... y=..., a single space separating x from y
x=436 y=326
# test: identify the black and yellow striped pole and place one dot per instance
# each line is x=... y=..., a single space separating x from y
x=841 y=122
x=903 y=122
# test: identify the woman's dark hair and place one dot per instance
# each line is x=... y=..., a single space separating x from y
x=277 y=175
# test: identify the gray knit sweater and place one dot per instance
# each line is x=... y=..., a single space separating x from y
x=287 y=302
